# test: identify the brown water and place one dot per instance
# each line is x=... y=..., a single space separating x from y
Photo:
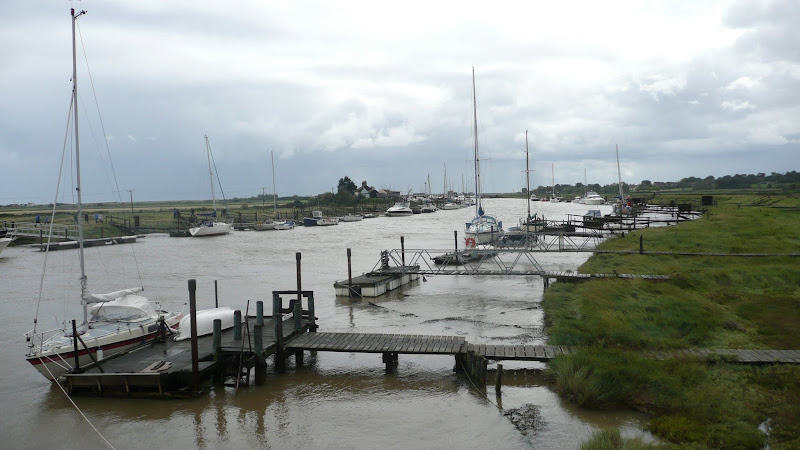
x=335 y=400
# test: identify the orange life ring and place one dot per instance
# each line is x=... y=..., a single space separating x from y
x=470 y=242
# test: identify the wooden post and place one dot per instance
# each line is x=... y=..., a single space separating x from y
x=455 y=238
x=298 y=327
x=193 y=324
x=277 y=317
x=259 y=313
x=349 y=274
x=499 y=380
x=258 y=344
x=75 y=347
x=641 y=244
x=298 y=316
x=237 y=325
x=403 y=250
x=312 y=326
x=297 y=257
x=216 y=297
x=217 y=337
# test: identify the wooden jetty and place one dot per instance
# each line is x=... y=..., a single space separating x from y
x=168 y=368
x=86 y=243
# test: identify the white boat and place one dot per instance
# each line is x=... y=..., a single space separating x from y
x=451 y=205
x=317 y=219
x=534 y=198
x=210 y=227
x=205 y=322
x=593 y=198
x=112 y=323
x=284 y=225
x=352 y=217
x=483 y=229
x=399 y=209
x=4 y=241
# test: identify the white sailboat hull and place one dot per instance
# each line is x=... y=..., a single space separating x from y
x=56 y=356
x=4 y=243
x=212 y=229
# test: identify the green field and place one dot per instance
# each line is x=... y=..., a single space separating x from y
x=708 y=302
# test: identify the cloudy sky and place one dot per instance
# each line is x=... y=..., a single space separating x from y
x=382 y=92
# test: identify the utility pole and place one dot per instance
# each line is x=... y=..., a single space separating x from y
x=130 y=191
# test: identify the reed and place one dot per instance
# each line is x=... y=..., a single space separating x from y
x=708 y=302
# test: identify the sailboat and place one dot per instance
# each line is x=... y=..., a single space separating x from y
x=210 y=227
x=274 y=224
x=530 y=223
x=113 y=322
x=483 y=229
x=553 y=198
x=622 y=208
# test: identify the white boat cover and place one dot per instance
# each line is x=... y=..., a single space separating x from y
x=205 y=322
x=100 y=298
x=127 y=307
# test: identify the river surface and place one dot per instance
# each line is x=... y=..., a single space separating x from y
x=334 y=400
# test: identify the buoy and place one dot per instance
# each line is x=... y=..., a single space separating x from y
x=470 y=242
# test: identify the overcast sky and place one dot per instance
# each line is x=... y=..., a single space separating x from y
x=382 y=92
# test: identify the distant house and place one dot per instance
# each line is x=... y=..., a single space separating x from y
x=387 y=193
x=365 y=191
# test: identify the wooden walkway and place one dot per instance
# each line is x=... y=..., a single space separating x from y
x=379 y=343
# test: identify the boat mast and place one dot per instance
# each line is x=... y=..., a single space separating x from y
x=553 y=179
x=84 y=284
x=527 y=178
x=274 y=195
x=585 y=184
x=211 y=178
x=619 y=174
x=478 y=208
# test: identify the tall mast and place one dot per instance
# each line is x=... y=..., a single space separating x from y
x=619 y=174
x=585 y=184
x=84 y=284
x=211 y=178
x=527 y=178
x=274 y=195
x=553 y=175
x=478 y=208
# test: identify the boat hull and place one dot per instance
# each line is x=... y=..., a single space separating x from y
x=214 y=229
x=53 y=363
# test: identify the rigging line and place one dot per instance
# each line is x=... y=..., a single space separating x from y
x=55 y=202
x=77 y=408
x=214 y=163
x=97 y=105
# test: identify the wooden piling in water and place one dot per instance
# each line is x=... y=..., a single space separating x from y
x=193 y=325
x=237 y=325
x=260 y=361
x=277 y=318
x=217 y=346
x=499 y=379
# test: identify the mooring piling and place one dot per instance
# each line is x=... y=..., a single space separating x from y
x=193 y=326
x=237 y=325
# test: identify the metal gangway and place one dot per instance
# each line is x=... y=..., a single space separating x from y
x=504 y=257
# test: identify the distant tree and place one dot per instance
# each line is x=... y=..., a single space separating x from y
x=524 y=190
x=646 y=183
x=346 y=185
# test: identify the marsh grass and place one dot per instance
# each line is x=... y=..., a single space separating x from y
x=708 y=302
x=611 y=439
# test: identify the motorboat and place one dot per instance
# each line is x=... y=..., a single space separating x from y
x=399 y=209
x=352 y=217
x=317 y=219
x=593 y=198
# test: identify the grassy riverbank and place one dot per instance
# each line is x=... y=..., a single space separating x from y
x=709 y=302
